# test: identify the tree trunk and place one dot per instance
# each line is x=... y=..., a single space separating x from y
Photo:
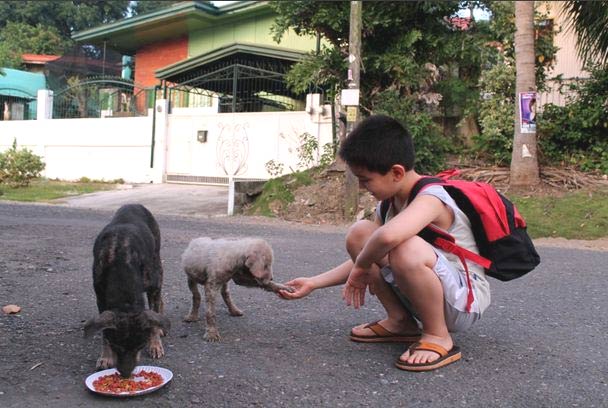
x=524 y=159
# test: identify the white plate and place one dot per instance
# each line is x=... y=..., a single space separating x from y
x=166 y=374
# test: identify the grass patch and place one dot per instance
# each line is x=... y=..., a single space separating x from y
x=278 y=193
x=576 y=215
x=47 y=190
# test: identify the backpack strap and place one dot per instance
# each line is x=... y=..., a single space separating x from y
x=446 y=242
x=439 y=238
x=384 y=206
x=421 y=184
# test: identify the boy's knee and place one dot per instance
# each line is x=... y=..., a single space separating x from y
x=358 y=234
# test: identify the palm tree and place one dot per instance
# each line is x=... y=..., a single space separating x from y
x=524 y=160
x=589 y=20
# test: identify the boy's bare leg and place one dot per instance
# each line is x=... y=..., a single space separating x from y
x=412 y=263
x=398 y=319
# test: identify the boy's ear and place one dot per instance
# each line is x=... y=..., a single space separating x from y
x=398 y=172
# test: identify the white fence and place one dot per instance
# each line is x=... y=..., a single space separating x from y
x=186 y=145
x=100 y=149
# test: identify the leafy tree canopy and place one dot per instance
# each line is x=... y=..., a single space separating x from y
x=17 y=38
x=66 y=16
x=404 y=45
x=46 y=26
x=146 y=6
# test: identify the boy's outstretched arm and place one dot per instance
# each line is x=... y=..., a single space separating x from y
x=303 y=286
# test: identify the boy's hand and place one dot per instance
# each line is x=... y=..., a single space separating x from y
x=301 y=287
x=354 y=290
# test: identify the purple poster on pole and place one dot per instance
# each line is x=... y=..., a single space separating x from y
x=527 y=112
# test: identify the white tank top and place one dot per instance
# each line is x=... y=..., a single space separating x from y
x=463 y=234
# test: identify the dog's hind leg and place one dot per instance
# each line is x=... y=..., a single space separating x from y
x=211 y=290
x=232 y=309
x=196 y=301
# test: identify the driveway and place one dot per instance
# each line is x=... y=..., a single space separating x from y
x=164 y=198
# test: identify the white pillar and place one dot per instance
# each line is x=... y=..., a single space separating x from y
x=161 y=130
x=44 y=107
x=230 y=195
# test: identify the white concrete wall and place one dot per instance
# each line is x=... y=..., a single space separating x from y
x=111 y=148
x=100 y=149
x=240 y=144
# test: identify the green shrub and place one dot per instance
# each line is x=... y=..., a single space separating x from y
x=278 y=193
x=496 y=115
x=19 y=167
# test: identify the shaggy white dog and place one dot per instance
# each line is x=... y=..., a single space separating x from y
x=213 y=262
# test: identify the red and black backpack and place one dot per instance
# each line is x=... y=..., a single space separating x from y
x=505 y=249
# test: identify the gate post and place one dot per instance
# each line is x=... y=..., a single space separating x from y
x=158 y=145
x=44 y=105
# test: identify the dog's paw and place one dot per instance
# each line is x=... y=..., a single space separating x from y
x=190 y=318
x=155 y=350
x=288 y=289
x=104 y=363
x=276 y=287
x=212 y=336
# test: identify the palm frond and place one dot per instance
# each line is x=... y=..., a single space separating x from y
x=589 y=20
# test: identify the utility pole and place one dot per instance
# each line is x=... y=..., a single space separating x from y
x=350 y=99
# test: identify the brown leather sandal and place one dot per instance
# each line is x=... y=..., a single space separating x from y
x=445 y=357
x=382 y=335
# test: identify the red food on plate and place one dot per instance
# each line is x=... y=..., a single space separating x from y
x=139 y=381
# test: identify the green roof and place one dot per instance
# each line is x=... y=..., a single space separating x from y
x=177 y=20
x=21 y=84
x=204 y=59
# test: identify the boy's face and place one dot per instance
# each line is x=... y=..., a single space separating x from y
x=379 y=185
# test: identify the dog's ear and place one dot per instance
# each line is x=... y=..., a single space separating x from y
x=259 y=260
x=256 y=266
x=152 y=319
x=106 y=320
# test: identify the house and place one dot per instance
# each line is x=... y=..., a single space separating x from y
x=210 y=84
x=194 y=50
x=37 y=62
x=567 y=65
x=18 y=94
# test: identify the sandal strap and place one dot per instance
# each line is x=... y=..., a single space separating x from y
x=423 y=345
x=378 y=329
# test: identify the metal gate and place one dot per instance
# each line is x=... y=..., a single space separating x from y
x=102 y=97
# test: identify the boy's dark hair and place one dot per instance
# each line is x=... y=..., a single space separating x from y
x=377 y=143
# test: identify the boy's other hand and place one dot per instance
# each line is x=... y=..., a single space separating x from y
x=301 y=287
x=354 y=290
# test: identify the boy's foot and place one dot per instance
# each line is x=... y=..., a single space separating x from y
x=429 y=353
x=378 y=332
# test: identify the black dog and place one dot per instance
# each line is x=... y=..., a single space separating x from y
x=126 y=265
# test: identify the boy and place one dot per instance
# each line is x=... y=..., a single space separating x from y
x=423 y=289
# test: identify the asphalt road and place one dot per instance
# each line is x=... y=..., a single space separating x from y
x=540 y=344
